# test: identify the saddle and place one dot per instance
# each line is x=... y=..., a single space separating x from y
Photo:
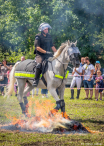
x=26 y=69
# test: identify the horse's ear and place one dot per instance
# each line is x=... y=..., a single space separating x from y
x=75 y=43
x=68 y=43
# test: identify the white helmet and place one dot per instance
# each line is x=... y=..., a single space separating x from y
x=44 y=26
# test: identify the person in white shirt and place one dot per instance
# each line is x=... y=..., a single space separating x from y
x=77 y=72
x=88 y=71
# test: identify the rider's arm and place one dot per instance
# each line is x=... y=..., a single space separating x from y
x=54 y=49
x=37 y=45
x=40 y=50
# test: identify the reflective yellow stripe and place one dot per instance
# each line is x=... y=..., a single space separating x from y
x=61 y=77
x=66 y=74
x=25 y=75
x=58 y=76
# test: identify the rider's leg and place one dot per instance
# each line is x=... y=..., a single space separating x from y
x=37 y=74
x=37 y=71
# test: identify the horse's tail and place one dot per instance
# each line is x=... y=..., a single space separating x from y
x=12 y=81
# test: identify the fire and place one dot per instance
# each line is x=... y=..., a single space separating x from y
x=44 y=118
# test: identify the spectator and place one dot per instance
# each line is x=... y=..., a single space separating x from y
x=8 y=72
x=88 y=70
x=97 y=67
x=76 y=80
x=4 y=70
x=33 y=91
x=81 y=64
x=44 y=92
x=22 y=58
x=82 y=61
x=99 y=84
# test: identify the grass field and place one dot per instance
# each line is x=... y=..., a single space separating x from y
x=89 y=112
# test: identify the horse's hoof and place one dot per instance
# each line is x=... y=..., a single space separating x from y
x=53 y=112
x=27 y=115
x=64 y=115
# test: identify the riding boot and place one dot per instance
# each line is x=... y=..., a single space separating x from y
x=37 y=76
x=78 y=93
x=72 y=94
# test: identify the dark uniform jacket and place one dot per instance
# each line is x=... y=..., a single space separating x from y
x=43 y=42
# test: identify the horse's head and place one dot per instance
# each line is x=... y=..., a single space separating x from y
x=73 y=54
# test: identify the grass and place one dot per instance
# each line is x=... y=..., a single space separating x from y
x=89 y=112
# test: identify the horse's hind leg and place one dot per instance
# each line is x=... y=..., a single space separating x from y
x=21 y=86
x=28 y=88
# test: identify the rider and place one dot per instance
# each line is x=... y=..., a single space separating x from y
x=43 y=44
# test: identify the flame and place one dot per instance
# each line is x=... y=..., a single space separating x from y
x=43 y=117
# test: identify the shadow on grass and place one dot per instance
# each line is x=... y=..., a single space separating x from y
x=90 y=120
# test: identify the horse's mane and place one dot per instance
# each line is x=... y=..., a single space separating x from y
x=59 y=51
x=63 y=45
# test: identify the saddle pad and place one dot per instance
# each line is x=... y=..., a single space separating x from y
x=26 y=69
x=26 y=65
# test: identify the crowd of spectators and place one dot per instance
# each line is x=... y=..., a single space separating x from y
x=90 y=76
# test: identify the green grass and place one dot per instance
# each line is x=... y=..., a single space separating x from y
x=89 y=112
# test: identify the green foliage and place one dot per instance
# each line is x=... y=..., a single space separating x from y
x=16 y=56
x=70 y=19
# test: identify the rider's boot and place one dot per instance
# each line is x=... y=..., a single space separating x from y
x=37 y=75
x=72 y=94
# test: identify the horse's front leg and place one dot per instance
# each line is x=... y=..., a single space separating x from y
x=55 y=96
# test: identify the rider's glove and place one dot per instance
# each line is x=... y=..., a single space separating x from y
x=49 y=53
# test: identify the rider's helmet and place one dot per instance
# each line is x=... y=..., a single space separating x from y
x=44 y=26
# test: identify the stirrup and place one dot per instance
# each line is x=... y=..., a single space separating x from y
x=35 y=83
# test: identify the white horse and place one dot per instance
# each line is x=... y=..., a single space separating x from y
x=55 y=76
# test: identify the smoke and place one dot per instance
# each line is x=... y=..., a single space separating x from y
x=91 y=6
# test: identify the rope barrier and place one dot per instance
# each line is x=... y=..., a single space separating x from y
x=69 y=87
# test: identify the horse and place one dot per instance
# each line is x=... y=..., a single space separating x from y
x=55 y=77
